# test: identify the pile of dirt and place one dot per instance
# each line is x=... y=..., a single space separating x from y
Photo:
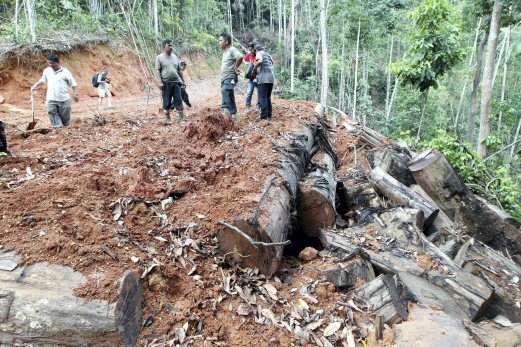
x=211 y=127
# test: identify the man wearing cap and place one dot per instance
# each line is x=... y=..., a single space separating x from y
x=231 y=61
x=58 y=99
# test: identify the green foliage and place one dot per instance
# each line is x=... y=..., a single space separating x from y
x=434 y=49
x=495 y=183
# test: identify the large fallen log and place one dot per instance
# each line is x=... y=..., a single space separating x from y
x=382 y=297
x=500 y=272
x=436 y=176
x=316 y=195
x=428 y=327
x=38 y=307
x=470 y=293
x=257 y=239
x=394 y=160
x=374 y=138
x=402 y=195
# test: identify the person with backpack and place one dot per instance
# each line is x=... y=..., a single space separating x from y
x=58 y=99
x=102 y=82
x=170 y=80
x=252 y=81
x=265 y=81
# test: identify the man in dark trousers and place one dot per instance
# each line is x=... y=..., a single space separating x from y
x=184 y=94
x=231 y=61
x=3 y=142
x=265 y=81
x=170 y=80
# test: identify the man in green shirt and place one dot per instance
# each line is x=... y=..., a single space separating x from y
x=231 y=61
x=170 y=80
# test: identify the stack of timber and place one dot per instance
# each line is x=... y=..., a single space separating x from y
x=437 y=250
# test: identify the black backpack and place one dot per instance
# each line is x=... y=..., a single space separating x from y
x=95 y=83
x=249 y=72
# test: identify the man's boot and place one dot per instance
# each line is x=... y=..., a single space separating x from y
x=181 y=116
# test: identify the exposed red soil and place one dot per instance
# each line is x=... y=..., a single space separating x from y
x=59 y=198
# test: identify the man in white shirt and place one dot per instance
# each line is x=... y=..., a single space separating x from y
x=58 y=99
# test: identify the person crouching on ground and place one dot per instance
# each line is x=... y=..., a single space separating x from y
x=104 y=87
x=184 y=94
x=58 y=99
x=231 y=61
x=252 y=81
x=265 y=81
x=3 y=142
x=170 y=80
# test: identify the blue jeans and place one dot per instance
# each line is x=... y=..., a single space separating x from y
x=228 y=97
x=249 y=93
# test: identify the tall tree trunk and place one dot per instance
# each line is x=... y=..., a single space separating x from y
x=16 y=15
x=388 y=86
x=230 y=17
x=486 y=90
x=512 y=151
x=393 y=97
x=292 y=83
x=498 y=61
x=272 y=29
x=504 y=82
x=31 y=18
x=280 y=20
x=356 y=71
x=425 y=97
x=475 y=86
x=155 y=17
x=460 y=103
x=323 y=33
x=341 y=87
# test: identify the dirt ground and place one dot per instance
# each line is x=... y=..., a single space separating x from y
x=135 y=193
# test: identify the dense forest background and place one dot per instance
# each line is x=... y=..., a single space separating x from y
x=432 y=73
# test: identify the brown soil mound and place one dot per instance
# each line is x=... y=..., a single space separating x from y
x=211 y=128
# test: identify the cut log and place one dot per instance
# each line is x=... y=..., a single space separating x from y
x=400 y=194
x=417 y=289
x=500 y=213
x=37 y=306
x=394 y=160
x=500 y=272
x=257 y=239
x=428 y=327
x=437 y=177
x=442 y=221
x=382 y=297
x=375 y=139
x=470 y=292
x=351 y=273
x=316 y=195
x=504 y=336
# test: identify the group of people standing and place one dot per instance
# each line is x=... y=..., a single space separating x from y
x=260 y=74
x=171 y=81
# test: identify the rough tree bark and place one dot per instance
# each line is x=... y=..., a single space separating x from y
x=486 y=90
x=436 y=176
x=400 y=194
x=475 y=86
x=258 y=240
